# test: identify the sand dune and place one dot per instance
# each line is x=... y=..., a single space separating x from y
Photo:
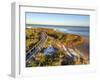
x=84 y=48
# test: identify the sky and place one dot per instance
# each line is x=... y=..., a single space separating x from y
x=57 y=19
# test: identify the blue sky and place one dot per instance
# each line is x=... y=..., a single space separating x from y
x=57 y=19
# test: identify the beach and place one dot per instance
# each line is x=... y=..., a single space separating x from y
x=84 y=48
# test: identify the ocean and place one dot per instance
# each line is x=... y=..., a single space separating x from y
x=78 y=30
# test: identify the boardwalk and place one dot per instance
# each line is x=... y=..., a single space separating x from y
x=38 y=47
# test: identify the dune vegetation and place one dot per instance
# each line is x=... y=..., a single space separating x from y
x=53 y=48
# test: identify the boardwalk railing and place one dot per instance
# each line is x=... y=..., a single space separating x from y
x=38 y=47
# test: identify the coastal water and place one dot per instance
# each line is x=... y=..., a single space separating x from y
x=78 y=30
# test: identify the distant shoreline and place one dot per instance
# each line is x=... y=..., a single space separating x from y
x=82 y=31
x=54 y=25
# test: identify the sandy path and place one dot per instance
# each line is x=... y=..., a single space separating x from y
x=84 y=48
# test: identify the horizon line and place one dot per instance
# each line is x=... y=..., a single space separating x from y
x=57 y=25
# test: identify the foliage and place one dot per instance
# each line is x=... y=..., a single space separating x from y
x=55 y=38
